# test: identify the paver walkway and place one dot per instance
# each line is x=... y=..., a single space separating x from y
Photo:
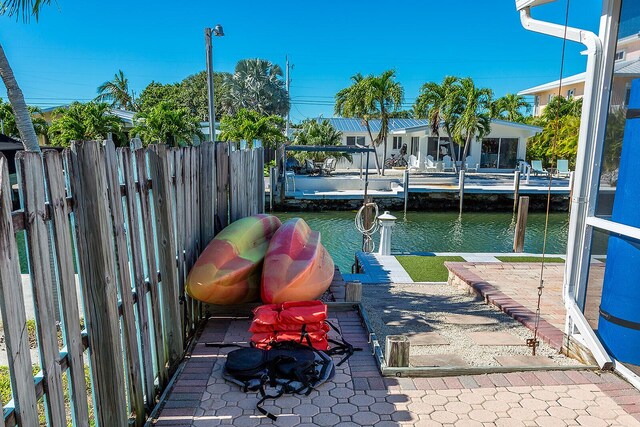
x=359 y=396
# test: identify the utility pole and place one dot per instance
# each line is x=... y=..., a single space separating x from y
x=287 y=83
x=208 y=33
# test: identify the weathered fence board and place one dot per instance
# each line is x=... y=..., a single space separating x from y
x=178 y=200
x=246 y=183
x=31 y=181
x=152 y=265
x=134 y=236
x=159 y=167
x=86 y=165
x=70 y=314
x=14 y=320
x=222 y=187
x=123 y=276
x=207 y=177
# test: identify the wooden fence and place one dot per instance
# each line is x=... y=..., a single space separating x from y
x=132 y=224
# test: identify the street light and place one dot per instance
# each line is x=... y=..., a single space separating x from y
x=218 y=32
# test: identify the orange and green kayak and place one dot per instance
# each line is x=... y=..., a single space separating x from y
x=297 y=266
x=228 y=270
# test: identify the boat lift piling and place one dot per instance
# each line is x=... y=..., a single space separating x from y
x=516 y=190
x=461 y=186
x=406 y=192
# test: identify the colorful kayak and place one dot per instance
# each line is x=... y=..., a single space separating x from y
x=297 y=266
x=228 y=270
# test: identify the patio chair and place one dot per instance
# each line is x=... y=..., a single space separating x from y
x=448 y=164
x=536 y=168
x=329 y=165
x=430 y=164
x=413 y=163
x=310 y=167
x=562 y=168
x=471 y=165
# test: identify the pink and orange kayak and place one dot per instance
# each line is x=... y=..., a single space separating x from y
x=228 y=270
x=297 y=266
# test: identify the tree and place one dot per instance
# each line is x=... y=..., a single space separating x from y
x=560 y=122
x=510 y=107
x=194 y=95
x=372 y=97
x=82 y=122
x=313 y=132
x=8 y=119
x=168 y=124
x=256 y=85
x=249 y=125
x=474 y=119
x=440 y=104
x=20 y=9
x=155 y=93
x=117 y=93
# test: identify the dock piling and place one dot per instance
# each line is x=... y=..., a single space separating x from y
x=461 y=186
x=516 y=189
x=521 y=224
x=406 y=191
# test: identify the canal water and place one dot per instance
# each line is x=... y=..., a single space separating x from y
x=438 y=232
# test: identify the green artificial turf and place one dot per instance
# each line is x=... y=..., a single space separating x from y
x=427 y=268
x=528 y=259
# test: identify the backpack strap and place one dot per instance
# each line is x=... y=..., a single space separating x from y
x=342 y=347
x=265 y=396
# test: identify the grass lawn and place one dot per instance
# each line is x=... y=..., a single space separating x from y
x=528 y=259
x=427 y=268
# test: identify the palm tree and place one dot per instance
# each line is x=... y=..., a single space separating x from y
x=369 y=98
x=20 y=9
x=250 y=125
x=318 y=133
x=440 y=104
x=512 y=105
x=81 y=122
x=165 y=123
x=258 y=85
x=116 y=92
x=474 y=120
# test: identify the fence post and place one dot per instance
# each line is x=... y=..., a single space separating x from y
x=397 y=350
x=521 y=224
x=461 y=185
x=86 y=167
x=272 y=186
x=13 y=312
x=159 y=167
x=516 y=189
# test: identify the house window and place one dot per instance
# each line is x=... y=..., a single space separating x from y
x=353 y=140
x=570 y=93
x=397 y=142
x=499 y=153
x=627 y=94
x=620 y=55
x=432 y=147
x=549 y=98
x=415 y=142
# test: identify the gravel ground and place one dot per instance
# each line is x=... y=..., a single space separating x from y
x=415 y=308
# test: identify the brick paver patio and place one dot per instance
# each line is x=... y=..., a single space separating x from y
x=359 y=396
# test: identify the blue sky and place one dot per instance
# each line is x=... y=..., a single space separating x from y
x=76 y=45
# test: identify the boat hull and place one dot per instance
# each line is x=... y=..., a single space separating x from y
x=229 y=269
x=297 y=265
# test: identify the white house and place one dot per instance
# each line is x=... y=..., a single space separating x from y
x=498 y=151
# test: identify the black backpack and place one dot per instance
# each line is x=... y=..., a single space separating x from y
x=288 y=368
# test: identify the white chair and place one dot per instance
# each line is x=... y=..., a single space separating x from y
x=329 y=165
x=448 y=164
x=471 y=165
x=429 y=164
x=413 y=163
x=562 y=168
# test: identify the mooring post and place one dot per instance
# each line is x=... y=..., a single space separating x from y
x=387 y=221
x=397 y=351
x=353 y=291
x=516 y=189
x=528 y=168
x=461 y=185
x=521 y=224
x=406 y=191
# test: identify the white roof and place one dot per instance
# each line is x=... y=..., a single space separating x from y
x=622 y=68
